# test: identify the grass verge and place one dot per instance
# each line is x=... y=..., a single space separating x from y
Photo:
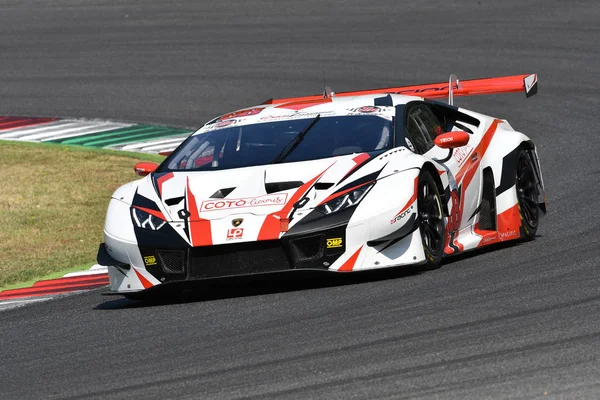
x=53 y=201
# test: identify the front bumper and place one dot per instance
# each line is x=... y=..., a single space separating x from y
x=163 y=264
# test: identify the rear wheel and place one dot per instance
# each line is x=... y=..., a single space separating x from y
x=527 y=195
x=431 y=220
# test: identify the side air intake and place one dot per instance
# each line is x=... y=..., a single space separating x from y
x=487 y=211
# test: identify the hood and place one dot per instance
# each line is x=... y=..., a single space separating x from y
x=260 y=190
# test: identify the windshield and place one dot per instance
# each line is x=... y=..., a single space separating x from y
x=264 y=143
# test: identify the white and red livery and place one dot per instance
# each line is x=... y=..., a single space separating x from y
x=340 y=182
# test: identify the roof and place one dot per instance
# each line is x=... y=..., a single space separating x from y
x=371 y=104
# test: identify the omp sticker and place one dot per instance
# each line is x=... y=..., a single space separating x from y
x=334 y=242
x=150 y=260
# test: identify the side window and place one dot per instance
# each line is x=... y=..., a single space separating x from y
x=422 y=126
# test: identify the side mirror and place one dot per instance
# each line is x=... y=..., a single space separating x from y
x=452 y=140
x=144 y=168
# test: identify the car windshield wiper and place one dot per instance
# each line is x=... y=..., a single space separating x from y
x=295 y=141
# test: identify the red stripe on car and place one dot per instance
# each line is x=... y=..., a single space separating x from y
x=150 y=211
x=145 y=282
x=272 y=225
x=338 y=194
x=161 y=180
x=200 y=229
x=350 y=262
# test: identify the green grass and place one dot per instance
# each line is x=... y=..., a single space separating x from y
x=53 y=202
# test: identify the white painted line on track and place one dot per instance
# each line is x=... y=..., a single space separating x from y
x=9 y=304
x=72 y=128
x=60 y=130
x=85 y=131
x=24 y=300
x=68 y=128
x=28 y=130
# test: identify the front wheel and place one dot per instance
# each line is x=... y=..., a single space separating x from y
x=431 y=220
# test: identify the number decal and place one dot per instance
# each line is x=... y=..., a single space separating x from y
x=454 y=217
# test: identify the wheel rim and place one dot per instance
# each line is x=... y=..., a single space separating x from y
x=431 y=219
x=527 y=192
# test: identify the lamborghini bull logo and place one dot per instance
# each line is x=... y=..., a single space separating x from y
x=237 y=222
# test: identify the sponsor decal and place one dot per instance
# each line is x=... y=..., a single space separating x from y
x=296 y=115
x=237 y=222
x=461 y=153
x=430 y=89
x=446 y=139
x=235 y=233
x=401 y=215
x=501 y=236
x=490 y=238
x=454 y=217
x=334 y=242
x=240 y=114
x=365 y=109
x=507 y=235
x=150 y=260
x=228 y=204
x=227 y=122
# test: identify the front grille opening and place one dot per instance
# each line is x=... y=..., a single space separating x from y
x=172 y=261
x=237 y=259
x=309 y=248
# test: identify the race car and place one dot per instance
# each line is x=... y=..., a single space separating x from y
x=340 y=183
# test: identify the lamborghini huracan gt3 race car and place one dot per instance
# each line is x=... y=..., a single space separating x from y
x=335 y=182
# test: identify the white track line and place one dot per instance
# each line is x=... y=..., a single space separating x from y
x=60 y=130
x=28 y=130
x=10 y=304
x=27 y=300
x=74 y=129
x=92 y=129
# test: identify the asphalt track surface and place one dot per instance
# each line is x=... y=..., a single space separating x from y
x=519 y=322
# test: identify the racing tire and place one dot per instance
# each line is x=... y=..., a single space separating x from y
x=527 y=194
x=431 y=220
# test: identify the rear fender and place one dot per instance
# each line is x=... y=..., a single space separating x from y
x=503 y=162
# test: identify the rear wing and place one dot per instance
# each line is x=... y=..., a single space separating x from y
x=454 y=88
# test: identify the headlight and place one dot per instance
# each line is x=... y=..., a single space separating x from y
x=146 y=220
x=345 y=200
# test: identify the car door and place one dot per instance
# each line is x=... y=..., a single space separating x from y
x=422 y=126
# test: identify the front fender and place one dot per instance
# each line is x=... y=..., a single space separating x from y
x=389 y=205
